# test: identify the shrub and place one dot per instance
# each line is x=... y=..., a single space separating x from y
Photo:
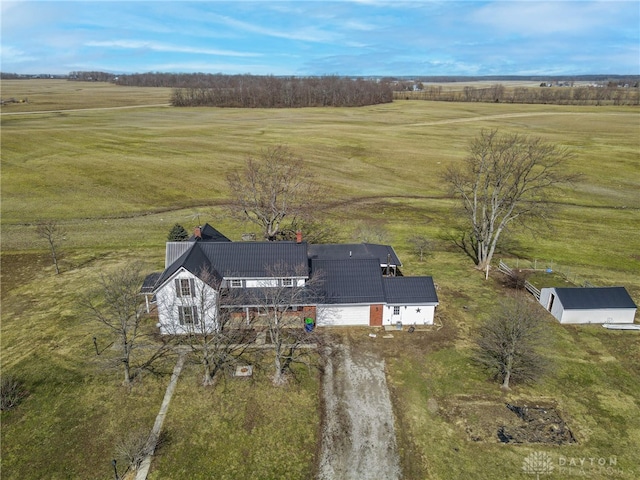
x=11 y=392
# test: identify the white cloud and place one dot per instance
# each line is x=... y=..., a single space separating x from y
x=160 y=47
x=308 y=34
x=545 y=18
x=11 y=54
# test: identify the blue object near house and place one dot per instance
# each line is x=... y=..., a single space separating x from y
x=308 y=324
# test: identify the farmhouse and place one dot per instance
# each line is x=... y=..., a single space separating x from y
x=589 y=305
x=340 y=284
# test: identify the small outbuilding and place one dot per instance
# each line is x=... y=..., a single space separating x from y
x=589 y=304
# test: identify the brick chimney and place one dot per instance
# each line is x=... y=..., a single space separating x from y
x=197 y=232
x=299 y=236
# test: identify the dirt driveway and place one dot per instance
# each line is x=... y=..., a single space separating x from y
x=358 y=436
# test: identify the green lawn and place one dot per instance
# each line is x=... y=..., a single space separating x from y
x=118 y=180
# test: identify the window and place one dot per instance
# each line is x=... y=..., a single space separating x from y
x=188 y=315
x=236 y=283
x=184 y=287
x=287 y=282
x=396 y=310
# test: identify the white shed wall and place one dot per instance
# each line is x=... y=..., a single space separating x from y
x=605 y=315
x=409 y=315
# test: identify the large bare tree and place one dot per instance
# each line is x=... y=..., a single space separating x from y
x=272 y=190
x=281 y=308
x=53 y=233
x=208 y=325
x=505 y=179
x=119 y=306
x=509 y=342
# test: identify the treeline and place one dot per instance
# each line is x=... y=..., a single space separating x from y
x=248 y=91
x=609 y=94
x=92 y=76
x=254 y=91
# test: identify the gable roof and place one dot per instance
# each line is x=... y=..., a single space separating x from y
x=334 y=251
x=241 y=260
x=350 y=280
x=410 y=290
x=194 y=261
x=583 y=298
x=209 y=234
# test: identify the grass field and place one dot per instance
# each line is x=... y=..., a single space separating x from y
x=118 y=179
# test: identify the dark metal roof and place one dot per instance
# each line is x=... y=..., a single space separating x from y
x=149 y=283
x=258 y=259
x=242 y=260
x=594 y=297
x=209 y=234
x=350 y=280
x=355 y=250
x=193 y=260
x=410 y=290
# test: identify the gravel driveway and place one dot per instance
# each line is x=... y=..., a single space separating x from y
x=358 y=436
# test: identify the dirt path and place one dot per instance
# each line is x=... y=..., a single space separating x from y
x=358 y=436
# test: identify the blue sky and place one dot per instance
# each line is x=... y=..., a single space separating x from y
x=358 y=37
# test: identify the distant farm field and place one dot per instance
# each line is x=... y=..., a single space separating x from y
x=117 y=179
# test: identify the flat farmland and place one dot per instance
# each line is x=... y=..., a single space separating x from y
x=117 y=179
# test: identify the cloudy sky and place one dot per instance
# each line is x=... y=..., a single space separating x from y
x=357 y=37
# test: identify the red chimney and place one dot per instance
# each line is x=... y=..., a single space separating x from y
x=299 y=236
x=197 y=232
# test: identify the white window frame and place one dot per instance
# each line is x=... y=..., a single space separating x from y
x=396 y=310
x=185 y=287
x=235 y=283
x=188 y=315
x=287 y=282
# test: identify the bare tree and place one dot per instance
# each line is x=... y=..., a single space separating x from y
x=509 y=341
x=120 y=307
x=275 y=186
x=207 y=323
x=371 y=233
x=281 y=307
x=53 y=233
x=421 y=245
x=505 y=179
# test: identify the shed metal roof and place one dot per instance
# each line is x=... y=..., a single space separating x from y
x=588 y=298
x=410 y=290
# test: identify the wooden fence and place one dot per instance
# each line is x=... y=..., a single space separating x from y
x=504 y=268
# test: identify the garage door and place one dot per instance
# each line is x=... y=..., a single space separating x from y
x=344 y=315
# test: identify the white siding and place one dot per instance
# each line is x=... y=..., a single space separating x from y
x=409 y=314
x=203 y=298
x=603 y=315
x=342 y=315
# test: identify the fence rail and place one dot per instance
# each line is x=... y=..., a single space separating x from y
x=504 y=268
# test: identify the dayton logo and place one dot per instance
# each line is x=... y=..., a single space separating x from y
x=538 y=463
